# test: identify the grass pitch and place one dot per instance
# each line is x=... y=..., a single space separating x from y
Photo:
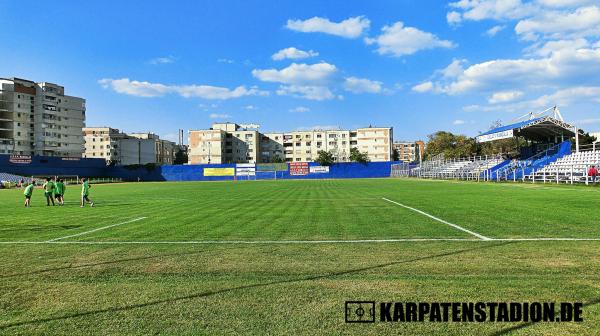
x=282 y=257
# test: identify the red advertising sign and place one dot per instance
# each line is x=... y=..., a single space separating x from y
x=299 y=168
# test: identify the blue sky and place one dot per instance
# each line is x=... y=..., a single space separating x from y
x=419 y=66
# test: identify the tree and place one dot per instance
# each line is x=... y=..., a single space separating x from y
x=395 y=155
x=357 y=156
x=452 y=146
x=505 y=146
x=181 y=157
x=276 y=159
x=324 y=158
x=584 y=138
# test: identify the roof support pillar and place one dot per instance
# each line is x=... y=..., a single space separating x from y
x=576 y=140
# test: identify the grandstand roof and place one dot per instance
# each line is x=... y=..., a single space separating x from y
x=542 y=129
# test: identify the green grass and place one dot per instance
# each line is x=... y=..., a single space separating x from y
x=81 y=287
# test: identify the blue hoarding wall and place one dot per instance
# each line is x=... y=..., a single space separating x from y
x=49 y=166
x=196 y=172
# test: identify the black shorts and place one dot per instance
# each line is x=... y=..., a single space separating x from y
x=58 y=195
x=27 y=197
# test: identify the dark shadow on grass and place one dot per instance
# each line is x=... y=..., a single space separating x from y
x=227 y=290
x=40 y=228
x=98 y=264
x=529 y=324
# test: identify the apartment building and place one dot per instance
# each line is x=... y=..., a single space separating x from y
x=39 y=119
x=119 y=148
x=206 y=146
x=409 y=151
x=223 y=143
x=165 y=150
x=376 y=142
x=230 y=142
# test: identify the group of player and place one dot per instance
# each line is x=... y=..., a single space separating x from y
x=54 y=189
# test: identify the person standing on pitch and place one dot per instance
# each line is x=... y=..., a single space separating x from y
x=593 y=173
x=28 y=192
x=59 y=192
x=85 y=192
x=49 y=191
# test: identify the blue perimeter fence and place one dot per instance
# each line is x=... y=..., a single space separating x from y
x=51 y=166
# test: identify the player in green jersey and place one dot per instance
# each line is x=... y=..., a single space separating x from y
x=28 y=192
x=49 y=191
x=59 y=192
x=85 y=192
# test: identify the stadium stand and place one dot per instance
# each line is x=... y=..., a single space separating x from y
x=6 y=177
x=520 y=169
x=571 y=168
x=464 y=168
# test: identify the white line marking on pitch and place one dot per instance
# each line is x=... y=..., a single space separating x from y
x=439 y=220
x=242 y=242
x=94 y=230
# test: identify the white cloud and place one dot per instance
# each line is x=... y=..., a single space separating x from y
x=300 y=109
x=423 y=87
x=565 y=97
x=225 y=60
x=297 y=73
x=250 y=107
x=458 y=122
x=219 y=116
x=350 y=28
x=214 y=92
x=548 y=19
x=162 y=60
x=453 y=18
x=562 y=98
x=494 y=30
x=135 y=88
x=147 y=89
x=454 y=69
x=504 y=96
x=398 y=40
x=477 y=10
x=310 y=92
x=561 y=66
x=584 y=21
x=564 y=3
x=362 y=85
x=548 y=48
x=293 y=53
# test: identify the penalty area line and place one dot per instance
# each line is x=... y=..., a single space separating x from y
x=482 y=237
x=94 y=230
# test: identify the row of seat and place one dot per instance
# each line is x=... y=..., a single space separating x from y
x=464 y=168
x=573 y=167
x=6 y=177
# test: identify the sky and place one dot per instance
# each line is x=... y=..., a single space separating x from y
x=419 y=66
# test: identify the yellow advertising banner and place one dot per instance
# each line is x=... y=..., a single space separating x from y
x=219 y=171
